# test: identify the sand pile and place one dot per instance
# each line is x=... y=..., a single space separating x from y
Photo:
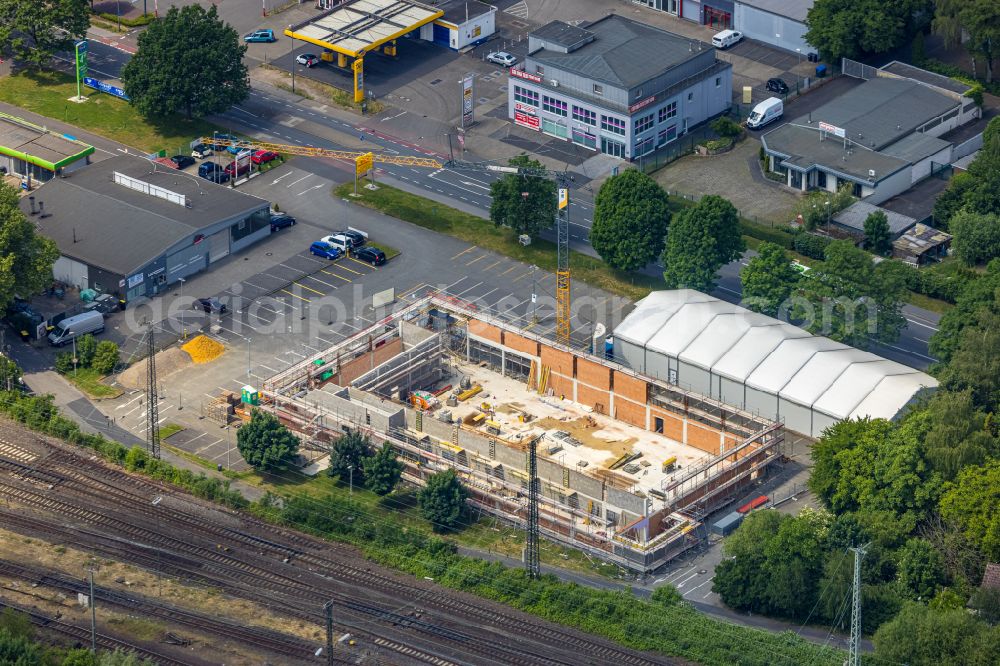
x=168 y=362
x=204 y=349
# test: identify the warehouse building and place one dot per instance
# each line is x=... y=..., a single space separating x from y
x=616 y=85
x=463 y=23
x=760 y=364
x=128 y=226
x=628 y=466
x=881 y=137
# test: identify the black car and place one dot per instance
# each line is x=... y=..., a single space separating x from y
x=370 y=255
x=209 y=305
x=280 y=221
x=357 y=239
x=777 y=86
x=222 y=137
x=182 y=161
x=219 y=176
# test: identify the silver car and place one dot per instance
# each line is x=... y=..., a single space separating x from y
x=502 y=58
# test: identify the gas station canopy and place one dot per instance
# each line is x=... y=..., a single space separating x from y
x=359 y=26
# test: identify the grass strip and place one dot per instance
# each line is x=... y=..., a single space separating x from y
x=473 y=229
x=89 y=381
x=47 y=93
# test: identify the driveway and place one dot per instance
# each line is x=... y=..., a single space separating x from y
x=734 y=176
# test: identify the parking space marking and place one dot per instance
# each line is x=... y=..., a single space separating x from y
x=337 y=276
x=522 y=275
x=340 y=264
x=514 y=267
x=315 y=291
x=313 y=277
x=297 y=296
x=498 y=261
x=479 y=258
x=269 y=369
x=468 y=249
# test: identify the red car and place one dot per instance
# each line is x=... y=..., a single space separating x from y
x=263 y=156
x=231 y=168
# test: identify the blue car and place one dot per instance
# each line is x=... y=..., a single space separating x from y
x=265 y=36
x=321 y=249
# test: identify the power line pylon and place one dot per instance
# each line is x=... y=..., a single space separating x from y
x=531 y=539
x=854 y=657
x=563 y=300
x=152 y=399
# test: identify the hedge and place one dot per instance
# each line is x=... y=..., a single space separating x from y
x=782 y=236
x=810 y=245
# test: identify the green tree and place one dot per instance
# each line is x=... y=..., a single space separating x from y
x=878 y=239
x=977 y=237
x=818 y=208
x=64 y=363
x=975 y=364
x=25 y=258
x=86 y=347
x=383 y=470
x=105 y=357
x=853 y=28
x=265 y=443
x=849 y=299
x=16 y=623
x=958 y=435
x=121 y=657
x=986 y=602
x=79 y=657
x=10 y=374
x=348 y=455
x=631 y=215
x=952 y=198
x=971 y=504
x=921 y=636
x=525 y=203
x=33 y=31
x=442 y=500
x=921 y=570
x=18 y=650
x=701 y=240
x=768 y=279
x=206 y=73
x=977 y=298
x=974 y=24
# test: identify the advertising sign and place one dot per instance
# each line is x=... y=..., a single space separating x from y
x=135 y=280
x=518 y=106
x=359 y=79
x=521 y=74
x=525 y=120
x=91 y=82
x=640 y=104
x=467 y=101
x=81 y=63
x=832 y=129
x=563 y=197
x=363 y=163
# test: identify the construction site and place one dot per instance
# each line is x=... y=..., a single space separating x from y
x=626 y=467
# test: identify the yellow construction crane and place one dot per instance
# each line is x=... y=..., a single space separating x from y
x=365 y=162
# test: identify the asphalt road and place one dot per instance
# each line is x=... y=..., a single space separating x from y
x=283 y=118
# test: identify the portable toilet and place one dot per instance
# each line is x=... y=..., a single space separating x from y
x=250 y=396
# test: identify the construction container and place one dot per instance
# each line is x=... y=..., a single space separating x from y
x=250 y=395
x=669 y=464
x=726 y=525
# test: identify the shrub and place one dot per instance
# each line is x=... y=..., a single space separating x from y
x=810 y=245
x=86 y=347
x=725 y=126
x=64 y=363
x=782 y=236
x=105 y=357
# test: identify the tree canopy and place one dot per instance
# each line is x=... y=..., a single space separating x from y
x=206 y=73
x=971 y=504
x=974 y=24
x=265 y=443
x=977 y=236
x=26 y=258
x=33 y=31
x=442 y=500
x=854 y=28
x=347 y=457
x=877 y=236
x=923 y=636
x=701 y=240
x=526 y=204
x=631 y=214
x=977 y=299
x=768 y=279
x=383 y=470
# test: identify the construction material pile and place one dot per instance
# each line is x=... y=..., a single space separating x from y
x=203 y=349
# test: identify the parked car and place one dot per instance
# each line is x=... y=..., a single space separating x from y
x=263 y=156
x=182 y=161
x=265 y=36
x=213 y=172
x=777 y=86
x=237 y=169
x=321 y=249
x=210 y=305
x=223 y=137
x=369 y=255
x=766 y=112
x=73 y=327
x=339 y=241
x=280 y=221
x=307 y=59
x=727 y=38
x=502 y=58
x=201 y=151
x=356 y=236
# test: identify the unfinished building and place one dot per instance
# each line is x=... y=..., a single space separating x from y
x=628 y=465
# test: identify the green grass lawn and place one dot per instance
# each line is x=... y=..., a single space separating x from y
x=168 y=429
x=89 y=381
x=472 y=229
x=390 y=252
x=47 y=93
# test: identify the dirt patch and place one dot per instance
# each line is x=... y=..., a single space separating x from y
x=591 y=434
x=168 y=362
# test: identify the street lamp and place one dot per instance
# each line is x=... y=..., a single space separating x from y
x=248 y=357
x=183 y=315
x=294 y=48
x=350 y=474
x=828 y=213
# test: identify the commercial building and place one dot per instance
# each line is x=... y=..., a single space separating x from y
x=463 y=23
x=36 y=154
x=880 y=137
x=628 y=466
x=126 y=225
x=616 y=85
x=760 y=364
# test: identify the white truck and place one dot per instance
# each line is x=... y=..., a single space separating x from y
x=73 y=327
x=766 y=112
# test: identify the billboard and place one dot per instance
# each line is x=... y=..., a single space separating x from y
x=91 y=82
x=832 y=129
x=467 y=100
x=524 y=120
x=521 y=74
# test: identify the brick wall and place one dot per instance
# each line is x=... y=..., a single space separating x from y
x=521 y=344
x=673 y=425
x=558 y=361
x=629 y=387
x=630 y=412
x=594 y=374
x=591 y=397
x=703 y=438
x=354 y=368
x=484 y=330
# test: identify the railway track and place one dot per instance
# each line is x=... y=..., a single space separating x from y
x=500 y=641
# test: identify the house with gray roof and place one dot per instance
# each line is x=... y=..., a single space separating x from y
x=880 y=137
x=617 y=86
x=130 y=226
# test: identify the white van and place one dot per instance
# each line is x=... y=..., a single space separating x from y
x=73 y=327
x=726 y=38
x=767 y=111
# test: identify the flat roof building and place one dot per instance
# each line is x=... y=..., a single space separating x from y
x=130 y=226
x=616 y=85
x=852 y=219
x=36 y=153
x=880 y=137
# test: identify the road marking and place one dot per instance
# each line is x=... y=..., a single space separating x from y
x=468 y=249
x=315 y=291
x=313 y=277
x=351 y=270
x=699 y=585
x=245 y=111
x=522 y=275
x=340 y=277
x=515 y=266
x=297 y=296
x=314 y=187
x=479 y=258
x=684 y=582
x=498 y=261
x=299 y=180
x=138 y=397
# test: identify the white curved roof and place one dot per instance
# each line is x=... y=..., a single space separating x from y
x=771 y=355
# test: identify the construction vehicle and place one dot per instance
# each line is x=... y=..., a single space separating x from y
x=365 y=163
